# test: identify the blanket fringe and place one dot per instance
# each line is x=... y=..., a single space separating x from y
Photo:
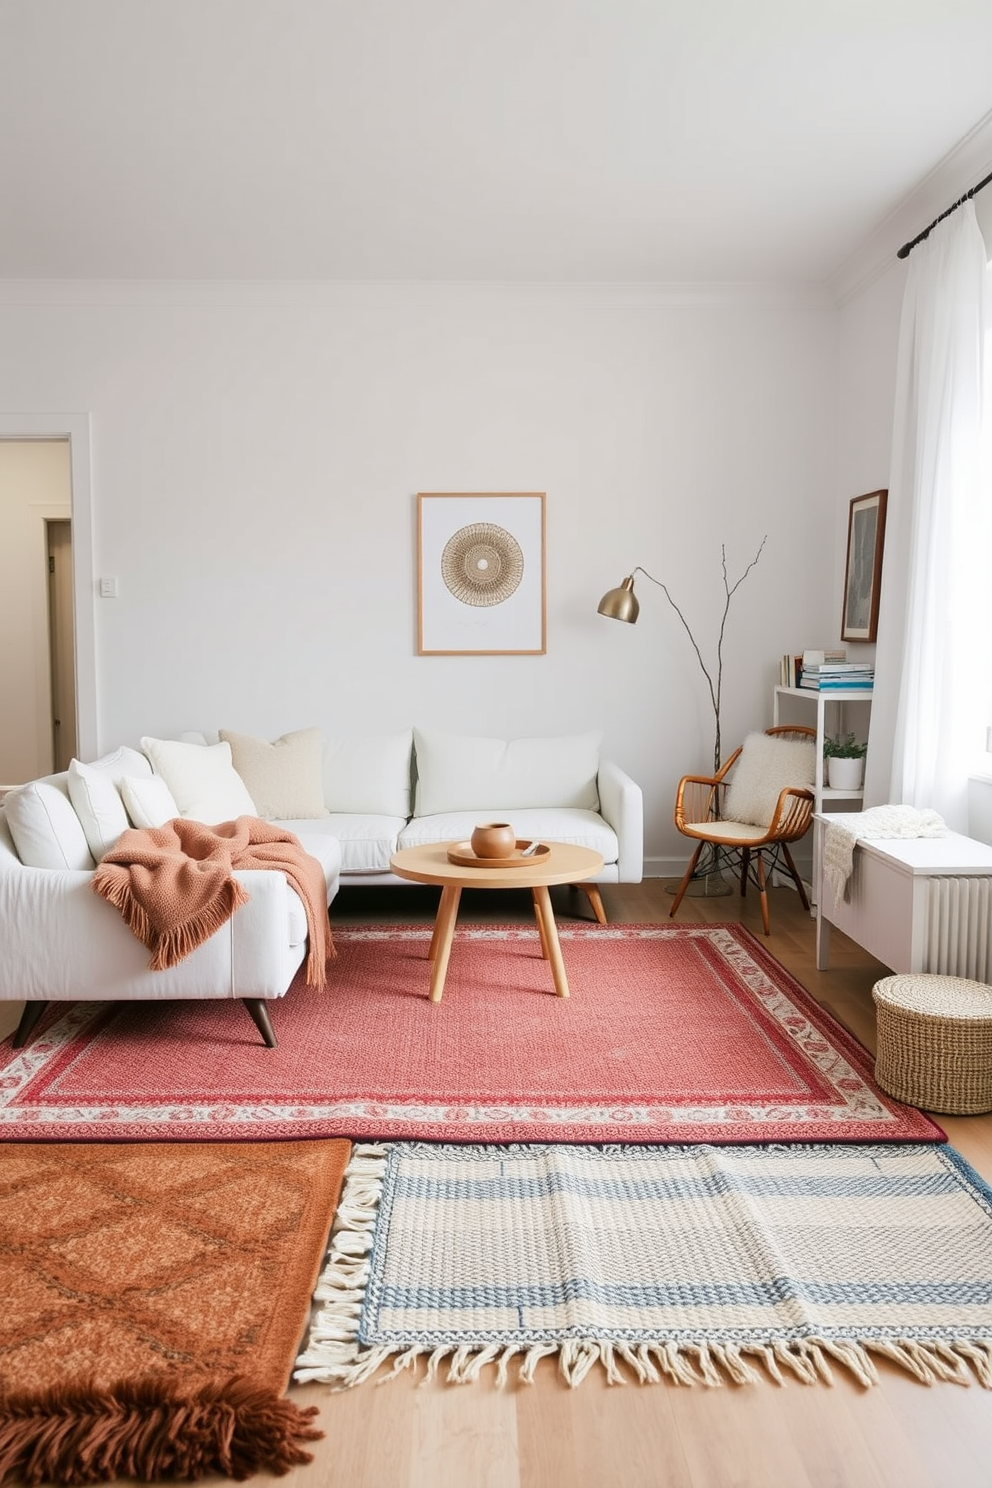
x=168 y=947
x=151 y=1430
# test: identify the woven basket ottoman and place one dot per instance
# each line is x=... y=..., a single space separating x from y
x=935 y=1042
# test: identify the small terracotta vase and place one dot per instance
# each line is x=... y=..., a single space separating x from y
x=494 y=840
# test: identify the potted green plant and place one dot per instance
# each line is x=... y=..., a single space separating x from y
x=845 y=757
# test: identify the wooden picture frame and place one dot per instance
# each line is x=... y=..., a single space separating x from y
x=863 y=571
x=481 y=574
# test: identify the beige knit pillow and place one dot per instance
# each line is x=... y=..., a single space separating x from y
x=284 y=778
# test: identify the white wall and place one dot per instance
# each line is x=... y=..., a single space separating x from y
x=256 y=452
x=34 y=489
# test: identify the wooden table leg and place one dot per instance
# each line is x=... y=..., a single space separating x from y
x=549 y=938
x=438 y=920
x=540 y=925
x=444 y=931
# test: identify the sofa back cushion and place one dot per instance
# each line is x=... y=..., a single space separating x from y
x=369 y=775
x=46 y=830
x=464 y=773
x=95 y=792
x=284 y=778
x=203 y=781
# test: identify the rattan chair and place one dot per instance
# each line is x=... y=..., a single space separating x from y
x=700 y=813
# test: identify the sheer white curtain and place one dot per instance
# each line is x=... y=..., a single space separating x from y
x=929 y=709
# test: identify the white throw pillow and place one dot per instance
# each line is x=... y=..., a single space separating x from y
x=456 y=773
x=284 y=778
x=46 y=830
x=148 y=801
x=766 y=766
x=203 y=781
x=369 y=775
x=94 y=791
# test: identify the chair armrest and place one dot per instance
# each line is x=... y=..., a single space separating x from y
x=621 y=804
x=793 y=814
x=696 y=799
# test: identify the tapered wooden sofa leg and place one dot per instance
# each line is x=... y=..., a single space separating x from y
x=595 y=901
x=260 y=1017
x=29 y=1022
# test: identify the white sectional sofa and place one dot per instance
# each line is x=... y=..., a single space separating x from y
x=351 y=801
x=403 y=790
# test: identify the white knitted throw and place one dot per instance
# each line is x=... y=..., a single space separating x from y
x=876 y=822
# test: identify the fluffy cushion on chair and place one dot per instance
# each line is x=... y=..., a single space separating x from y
x=94 y=791
x=203 y=781
x=766 y=766
x=284 y=778
x=455 y=773
x=46 y=830
x=148 y=801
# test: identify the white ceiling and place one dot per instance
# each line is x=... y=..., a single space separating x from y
x=568 y=140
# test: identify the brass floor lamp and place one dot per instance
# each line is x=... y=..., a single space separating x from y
x=622 y=604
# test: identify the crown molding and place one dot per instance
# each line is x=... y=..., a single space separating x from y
x=962 y=168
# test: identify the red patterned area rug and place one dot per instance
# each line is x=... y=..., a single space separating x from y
x=687 y=1033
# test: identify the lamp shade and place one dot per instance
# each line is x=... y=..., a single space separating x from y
x=621 y=604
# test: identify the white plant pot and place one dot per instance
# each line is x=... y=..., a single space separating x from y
x=845 y=774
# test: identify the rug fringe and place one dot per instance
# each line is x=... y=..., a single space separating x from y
x=337 y=1359
x=333 y=1353
x=151 y=1430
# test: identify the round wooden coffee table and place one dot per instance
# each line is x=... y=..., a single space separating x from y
x=431 y=865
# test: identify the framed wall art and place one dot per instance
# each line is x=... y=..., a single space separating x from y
x=481 y=574
x=863 y=576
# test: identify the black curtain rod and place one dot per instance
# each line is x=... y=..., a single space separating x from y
x=907 y=248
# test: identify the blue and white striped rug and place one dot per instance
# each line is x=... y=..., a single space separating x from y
x=694 y=1263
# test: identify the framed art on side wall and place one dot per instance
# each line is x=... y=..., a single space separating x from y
x=481 y=574
x=863 y=574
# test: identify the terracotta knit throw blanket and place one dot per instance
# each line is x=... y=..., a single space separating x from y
x=175 y=885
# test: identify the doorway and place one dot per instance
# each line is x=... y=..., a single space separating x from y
x=71 y=431
x=61 y=641
x=36 y=607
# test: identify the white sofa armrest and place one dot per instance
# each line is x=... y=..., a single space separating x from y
x=62 y=941
x=621 y=803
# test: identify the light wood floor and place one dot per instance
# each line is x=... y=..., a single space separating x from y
x=897 y=1435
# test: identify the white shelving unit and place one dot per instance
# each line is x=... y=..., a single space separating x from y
x=831 y=717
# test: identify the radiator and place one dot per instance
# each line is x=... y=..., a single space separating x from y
x=959 y=927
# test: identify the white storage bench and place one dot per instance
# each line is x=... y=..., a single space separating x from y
x=916 y=904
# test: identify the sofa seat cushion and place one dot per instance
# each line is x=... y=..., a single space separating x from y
x=366 y=841
x=546 y=824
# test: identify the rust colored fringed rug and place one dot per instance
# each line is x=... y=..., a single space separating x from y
x=153 y=1300
x=672 y=1033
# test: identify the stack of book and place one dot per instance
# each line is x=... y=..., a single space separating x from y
x=830 y=671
